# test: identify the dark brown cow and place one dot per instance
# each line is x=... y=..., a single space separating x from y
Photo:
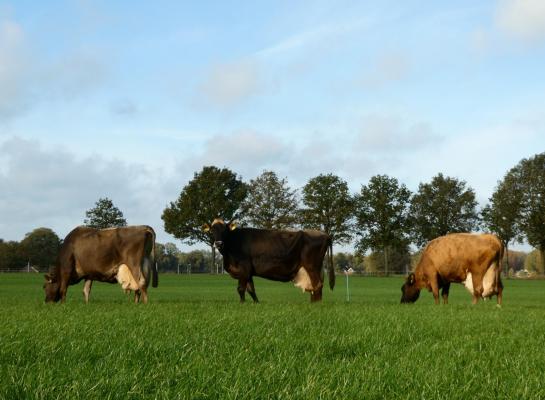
x=459 y=257
x=277 y=255
x=125 y=255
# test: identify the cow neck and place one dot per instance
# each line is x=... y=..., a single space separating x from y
x=420 y=278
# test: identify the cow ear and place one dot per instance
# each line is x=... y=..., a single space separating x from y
x=411 y=279
x=48 y=278
x=232 y=226
x=206 y=227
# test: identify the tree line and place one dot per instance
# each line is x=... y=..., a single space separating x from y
x=383 y=219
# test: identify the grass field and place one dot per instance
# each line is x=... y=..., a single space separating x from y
x=195 y=341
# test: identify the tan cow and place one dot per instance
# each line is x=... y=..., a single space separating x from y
x=466 y=258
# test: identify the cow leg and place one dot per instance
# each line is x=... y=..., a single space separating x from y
x=136 y=296
x=251 y=289
x=316 y=282
x=444 y=292
x=316 y=295
x=499 y=295
x=144 y=292
x=242 y=289
x=477 y=287
x=62 y=290
x=87 y=290
x=434 y=283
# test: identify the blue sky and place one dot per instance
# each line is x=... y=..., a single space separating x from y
x=128 y=99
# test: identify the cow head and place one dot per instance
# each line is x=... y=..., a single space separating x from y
x=219 y=229
x=409 y=290
x=52 y=289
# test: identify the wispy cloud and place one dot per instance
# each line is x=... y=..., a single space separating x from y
x=124 y=107
x=27 y=80
x=13 y=70
x=46 y=187
x=387 y=134
x=388 y=68
x=314 y=36
x=228 y=84
x=522 y=19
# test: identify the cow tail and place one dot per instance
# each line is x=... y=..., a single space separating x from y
x=154 y=272
x=331 y=269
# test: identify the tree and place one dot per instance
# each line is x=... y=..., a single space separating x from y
x=399 y=260
x=502 y=215
x=445 y=205
x=11 y=255
x=212 y=193
x=382 y=214
x=534 y=262
x=270 y=203
x=516 y=260
x=40 y=247
x=167 y=256
x=328 y=206
x=532 y=176
x=196 y=261
x=342 y=261
x=104 y=215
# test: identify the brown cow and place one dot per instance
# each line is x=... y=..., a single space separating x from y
x=277 y=255
x=125 y=255
x=459 y=257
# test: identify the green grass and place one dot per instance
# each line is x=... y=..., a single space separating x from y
x=194 y=340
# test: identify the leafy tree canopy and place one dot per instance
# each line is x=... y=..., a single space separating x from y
x=532 y=175
x=104 y=215
x=445 y=205
x=328 y=206
x=212 y=193
x=40 y=247
x=270 y=203
x=382 y=214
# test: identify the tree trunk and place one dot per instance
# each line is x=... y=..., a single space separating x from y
x=542 y=254
x=213 y=259
x=507 y=260
x=386 y=260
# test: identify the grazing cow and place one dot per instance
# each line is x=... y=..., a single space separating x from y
x=273 y=254
x=459 y=257
x=125 y=255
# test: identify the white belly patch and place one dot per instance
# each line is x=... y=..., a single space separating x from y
x=125 y=278
x=488 y=281
x=302 y=280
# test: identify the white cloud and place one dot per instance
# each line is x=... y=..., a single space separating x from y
x=316 y=36
x=124 y=107
x=522 y=19
x=26 y=79
x=229 y=84
x=388 y=68
x=13 y=69
x=245 y=151
x=52 y=188
x=387 y=134
x=74 y=75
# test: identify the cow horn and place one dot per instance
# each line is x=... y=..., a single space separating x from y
x=232 y=226
x=411 y=278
